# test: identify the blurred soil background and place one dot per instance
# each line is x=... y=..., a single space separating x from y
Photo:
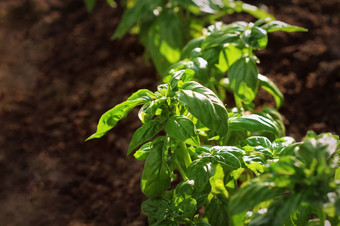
x=59 y=72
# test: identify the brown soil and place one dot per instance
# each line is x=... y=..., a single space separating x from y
x=59 y=72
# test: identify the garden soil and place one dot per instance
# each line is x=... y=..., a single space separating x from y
x=59 y=72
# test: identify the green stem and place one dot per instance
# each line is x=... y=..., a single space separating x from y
x=185 y=154
x=238 y=103
x=181 y=171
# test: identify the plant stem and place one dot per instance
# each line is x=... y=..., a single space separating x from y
x=181 y=171
x=238 y=103
x=185 y=154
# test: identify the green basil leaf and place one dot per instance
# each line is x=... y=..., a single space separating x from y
x=271 y=88
x=185 y=189
x=183 y=129
x=279 y=211
x=284 y=146
x=217 y=211
x=254 y=141
x=133 y=14
x=200 y=172
x=220 y=38
x=281 y=26
x=217 y=181
x=163 y=39
x=243 y=79
x=156 y=208
x=229 y=157
x=110 y=118
x=156 y=176
x=191 y=45
x=186 y=208
x=324 y=146
x=302 y=215
x=211 y=55
x=273 y=115
x=148 y=110
x=143 y=152
x=255 y=37
x=205 y=105
x=253 y=123
x=228 y=56
x=145 y=133
x=210 y=6
x=180 y=77
x=200 y=66
x=252 y=194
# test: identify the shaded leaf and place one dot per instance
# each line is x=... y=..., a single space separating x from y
x=183 y=129
x=145 y=133
x=156 y=174
x=243 y=79
x=133 y=14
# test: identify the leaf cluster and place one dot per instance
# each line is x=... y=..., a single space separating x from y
x=206 y=164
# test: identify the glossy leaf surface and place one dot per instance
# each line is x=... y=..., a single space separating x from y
x=110 y=118
x=205 y=105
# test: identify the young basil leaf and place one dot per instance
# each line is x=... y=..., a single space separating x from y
x=281 y=26
x=243 y=79
x=255 y=37
x=183 y=129
x=143 y=152
x=253 y=123
x=219 y=38
x=180 y=77
x=205 y=106
x=321 y=148
x=148 y=110
x=271 y=88
x=156 y=174
x=283 y=146
x=110 y=118
x=145 y=133
x=133 y=14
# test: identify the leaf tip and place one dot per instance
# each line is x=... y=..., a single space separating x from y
x=93 y=136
